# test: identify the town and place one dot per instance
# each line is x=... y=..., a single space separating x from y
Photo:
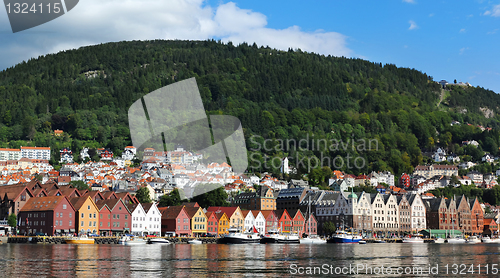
x=48 y=202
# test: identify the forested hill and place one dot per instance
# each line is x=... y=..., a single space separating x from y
x=276 y=94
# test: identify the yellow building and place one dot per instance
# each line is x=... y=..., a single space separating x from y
x=223 y=223
x=234 y=214
x=87 y=215
x=198 y=220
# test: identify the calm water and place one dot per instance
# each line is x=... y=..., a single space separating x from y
x=216 y=260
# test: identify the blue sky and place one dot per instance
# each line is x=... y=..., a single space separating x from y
x=445 y=39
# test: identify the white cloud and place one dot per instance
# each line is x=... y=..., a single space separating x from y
x=462 y=30
x=494 y=12
x=413 y=25
x=463 y=49
x=409 y=1
x=94 y=21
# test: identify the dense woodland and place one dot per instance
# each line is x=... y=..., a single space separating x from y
x=277 y=95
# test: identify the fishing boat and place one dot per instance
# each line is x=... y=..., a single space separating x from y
x=413 y=239
x=345 y=237
x=83 y=239
x=274 y=236
x=235 y=236
x=195 y=241
x=128 y=240
x=158 y=240
x=473 y=240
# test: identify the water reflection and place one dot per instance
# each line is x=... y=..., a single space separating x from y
x=212 y=260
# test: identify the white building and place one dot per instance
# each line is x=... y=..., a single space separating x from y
x=418 y=220
x=249 y=221
x=36 y=152
x=138 y=223
x=10 y=154
x=153 y=219
x=84 y=153
x=129 y=153
x=260 y=221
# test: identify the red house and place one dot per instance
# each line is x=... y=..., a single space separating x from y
x=311 y=229
x=104 y=218
x=298 y=221
x=174 y=219
x=48 y=215
x=284 y=220
x=212 y=223
x=271 y=220
x=404 y=181
x=119 y=216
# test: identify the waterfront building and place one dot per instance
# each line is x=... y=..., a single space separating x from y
x=47 y=215
x=223 y=222
x=249 y=220
x=404 y=214
x=86 y=215
x=234 y=214
x=119 y=216
x=175 y=220
x=271 y=220
x=298 y=221
x=284 y=220
x=464 y=215
x=138 y=219
x=198 y=220
x=212 y=223
x=477 y=217
x=13 y=198
x=418 y=215
x=153 y=219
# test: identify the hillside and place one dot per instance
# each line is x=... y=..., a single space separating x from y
x=278 y=95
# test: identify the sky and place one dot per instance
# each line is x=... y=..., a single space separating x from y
x=445 y=39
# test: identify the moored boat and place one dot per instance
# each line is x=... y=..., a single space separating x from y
x=195 y=241
x=127 y=240
x=344 y=237
x=274 y=236
x=473 y=240
x=158 y=240
x=312 y=240
x=456 y=240
x=83 y=239
x=438 y=240
x=235 y=236
x=413 y=239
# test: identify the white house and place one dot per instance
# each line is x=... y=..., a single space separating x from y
x=249 y=220
x=129 y=153
x=260 y=221
x=153 y=219
x=439 y=155
x=138 y=223
x=488 y=158
x=418 y=221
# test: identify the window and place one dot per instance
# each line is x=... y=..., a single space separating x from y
x=117 y=216
x=90 y=223
x=94 y=223
x=88 y=207
x=64 y=206
x=119 y=208
x=82 y=224
x=114 y=216
x=57 y=214
x=70 y=222
x=126 y=216
x=90 y=215
x=100 y=224
x=57 y=222
x=83 y=215
x=95 y=215
x=60 y=223
x=109 y=216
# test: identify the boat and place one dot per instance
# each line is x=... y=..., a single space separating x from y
x=235 y=236
x=344 y=237
x=195 y=241
x=274 y=236
x=456 y=240
x=473 y=240
x=83 y=239
x=438 y=240
x=128 y=240
x=413 y=239
x=379 y=241
x=158 y=240
x=362 y=242
x=311 y=239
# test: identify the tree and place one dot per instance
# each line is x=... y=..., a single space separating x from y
x=214 y=196
x=12 y=220
x=79 y=185
x=172 y=199
x=142 y=194
x=329 y=227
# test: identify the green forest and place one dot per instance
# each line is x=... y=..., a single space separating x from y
x=279 y=96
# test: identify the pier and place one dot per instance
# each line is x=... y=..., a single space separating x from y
x=97 y=240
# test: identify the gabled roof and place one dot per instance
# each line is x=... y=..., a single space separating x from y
x=44 y=203
x=191 y=211
x=266 y=213
x=111 y=203
x=171 y=212
x=12 y=192
x=228 y=210
x=78 y=202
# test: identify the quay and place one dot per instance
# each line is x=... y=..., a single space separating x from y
x=97 y=240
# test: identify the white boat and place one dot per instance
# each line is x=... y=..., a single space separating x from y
x=439 y=240
x=345 y=237
x=195 y=241
x=235 y=236
x=127 y=240
x=362 y=242
x=456 y=240
x=487 y=239
x=312 y=240
x=274 y=236
x=158 y=240
x=473 y=240
x=413 y=239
